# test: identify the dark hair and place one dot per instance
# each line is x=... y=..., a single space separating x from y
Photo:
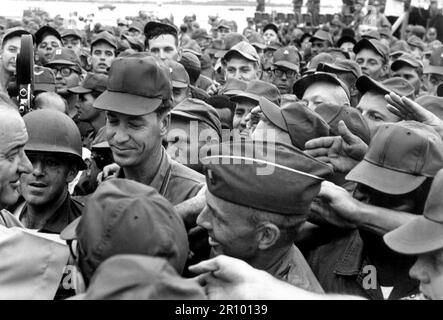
x=158 y=31
x=165 y=107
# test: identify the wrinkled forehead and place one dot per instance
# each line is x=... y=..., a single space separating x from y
x=12 y=130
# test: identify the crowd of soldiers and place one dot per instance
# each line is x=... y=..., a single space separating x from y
x=182 y=163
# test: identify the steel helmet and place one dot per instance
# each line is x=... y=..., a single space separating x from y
x=55 y=132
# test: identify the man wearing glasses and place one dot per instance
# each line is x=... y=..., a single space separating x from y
x=67 y=69
x=285 y=71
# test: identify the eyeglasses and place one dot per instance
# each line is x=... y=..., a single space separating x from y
x=289 y=73
x=64 y=71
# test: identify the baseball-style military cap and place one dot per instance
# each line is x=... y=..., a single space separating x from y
x=341 y=65
x=322 y=35
x=345 y=39
x=273 y=46
x=14 y=32
x=257 y=40
x=322 y=57
x=432 y=103
x=179 y=76
x=271 y=26
x=134 y=43
x=245 y=49
x=190 y=61
x=258 y=88
x=229 y=41
x=332 y=114
x=65 y=56
x=152 y=25
x=72 y=33
x=301 y=123
x=44 y=79
x=287 y=57
x=406 y=60
x=372 y=44
x=199 y=34
x=192 y=47
x=302 y=84
x=224 y=24
x=271 y=177
x=425 y=233
x=195 y=109
x=371 y=34
x=399 y=47
x=104 y=37
x=92 y=82
x=137 y=25
x=395 y=84
x=139 y=277
x=137 y=85
x=400 y=158
x=416 y=42
x=435 y=62
x=44 y=31
x=233 y=87
x=126 y=217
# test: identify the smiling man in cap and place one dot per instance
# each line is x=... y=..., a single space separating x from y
x=321 y=87
x=373 y=58
x=393 y=181
x=137 y=104
x=242 y=62
x=259 y=226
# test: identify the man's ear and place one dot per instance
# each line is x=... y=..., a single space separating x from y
x=180 y=52
x=268 y=234
x=89 y=60
x=165 y=121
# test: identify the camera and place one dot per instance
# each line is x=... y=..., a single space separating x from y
x=25 y=74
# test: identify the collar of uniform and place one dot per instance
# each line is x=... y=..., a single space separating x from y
x=158 y=182
x=62 y=217
x=351 y=261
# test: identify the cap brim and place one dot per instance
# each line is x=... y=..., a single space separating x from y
x=259 y=45
x=418 y=236
x=220 y=53
x=287 y=65
x=232 y=92
x=126 y=103
x=273 y=113
x=55 y=62
x=365 y=43
x=365 y=84
x=79 y=90
x=245 y=55
x=70 y=232
x=302 y=84
x=179 y=84
x=433 y=69
x=383 y=179
x=245 y=95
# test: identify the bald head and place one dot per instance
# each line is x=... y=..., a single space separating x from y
x=50 y=100
x=325 y=92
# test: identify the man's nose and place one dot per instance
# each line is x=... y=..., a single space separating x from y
x=418 y=271
x=25 y=166
x=203 y=219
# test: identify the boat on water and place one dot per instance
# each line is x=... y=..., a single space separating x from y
x=106 y=6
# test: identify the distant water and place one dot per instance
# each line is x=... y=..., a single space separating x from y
x=14 y=8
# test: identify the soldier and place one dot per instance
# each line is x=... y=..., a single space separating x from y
x=103 y=52
x=320 y=42
x=373 y=58
x=242 y=62
x=162 y=40
x=410 y=69
x=48 y=40
x=259 y=226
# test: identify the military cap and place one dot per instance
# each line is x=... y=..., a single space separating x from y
x=401 y=156
x=256 y=89
x=301 y=123
x=323 y=36
x=134 y=43
x=137 y=85
x=271 y=26
x=200 y=33
x=287 y=57
x=179 y=76
x=332 y=114
x=139 y=277
x=395 y=84
x=14 y=32
x=233 y=87
x=341 y=65
x=425 y=233
x=406 y=60
x=257 y=40
x=271 y=177
x=190 y=61
x=273 y=46
x=195 y=109
x=432 y=103
x=104 y=37
x=302 y=84
x=245 y=49
x=65 y=56
x=371 y=34
x=92 y=82
x=44 y=79
x=205 y=61
x=435 y=62
x=345 y=39
x=322 y=57
x=71 y=32
x=415 y=41
x=44 y=31
x=126 y=217
x=224 y=24
x=152 y=25
x=192 y=47
x=372 y=44
x=229 y=41
x=399 y=47
x=137 y=25
x=385 y=32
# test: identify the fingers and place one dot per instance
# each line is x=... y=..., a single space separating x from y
x=345 y=133
x=395 y=111
x=210 y=265
x=319 y=152
x=322 y=142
